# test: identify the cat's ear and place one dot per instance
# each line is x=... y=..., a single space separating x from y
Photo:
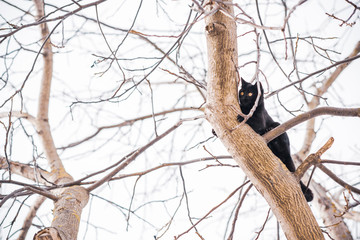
x=243 y=82
x=261 y=88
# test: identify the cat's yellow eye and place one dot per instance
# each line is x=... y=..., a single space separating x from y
x=250 y=94
x=241 y=93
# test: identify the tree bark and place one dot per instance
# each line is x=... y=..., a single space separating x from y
x=270 y=177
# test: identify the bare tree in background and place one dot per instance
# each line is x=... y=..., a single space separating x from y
x=105 y=112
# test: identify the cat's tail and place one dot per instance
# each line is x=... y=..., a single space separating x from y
x=307 y=192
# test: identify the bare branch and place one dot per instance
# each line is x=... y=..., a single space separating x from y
x=312 y=159
x=126 y=123
x=345 y=61
x=27 y=190
x=337 y=179
x=341 y=162
x=43 y=126
x=186 y=199
x=26 y=171
x=263 y=226
x=236 y=214
x=343 y=112
x=132 y=157
x=165 y=54
x=18 y=114
x=213 y=209
x=173 y=164
x=44 y=20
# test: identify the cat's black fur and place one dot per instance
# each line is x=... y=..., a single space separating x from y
x=261 y=122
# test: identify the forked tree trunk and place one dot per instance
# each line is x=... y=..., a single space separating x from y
x=270 y=177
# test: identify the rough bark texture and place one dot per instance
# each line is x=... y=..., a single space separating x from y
x=67 y=211
x=267 y=173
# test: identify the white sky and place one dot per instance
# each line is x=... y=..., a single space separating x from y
x=76 y=79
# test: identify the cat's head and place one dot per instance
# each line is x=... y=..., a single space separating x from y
x=247 y=96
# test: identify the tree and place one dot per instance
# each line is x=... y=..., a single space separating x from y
x=120 y=144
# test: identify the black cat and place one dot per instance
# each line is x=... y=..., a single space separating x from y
x=261 y=123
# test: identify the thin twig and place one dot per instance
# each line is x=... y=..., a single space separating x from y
x=132 y=157
x=30 y=216
x=263 y=226
x=213 y=209
x=186 y=198
x=126 y=123
x=347 y=60
x=236 y=214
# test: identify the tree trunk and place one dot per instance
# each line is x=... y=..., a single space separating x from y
x=270 y=177
x=67 y=214
x=69 y=201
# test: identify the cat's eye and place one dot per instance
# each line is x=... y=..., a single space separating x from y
x=250 y=94
x=241 y=93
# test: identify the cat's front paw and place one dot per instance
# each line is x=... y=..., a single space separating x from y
x=272 y=126
x=239 y=118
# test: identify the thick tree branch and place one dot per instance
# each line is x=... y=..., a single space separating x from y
x=332 y=111
x=312 y=159
x=19 y=114
x=35 y=174
x=27 y=190
x=43 y=104
x=71 y=200
x=42 y=123
x=67 y=214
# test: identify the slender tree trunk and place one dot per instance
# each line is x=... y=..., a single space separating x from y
x=69 y=201
x=270 y=177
